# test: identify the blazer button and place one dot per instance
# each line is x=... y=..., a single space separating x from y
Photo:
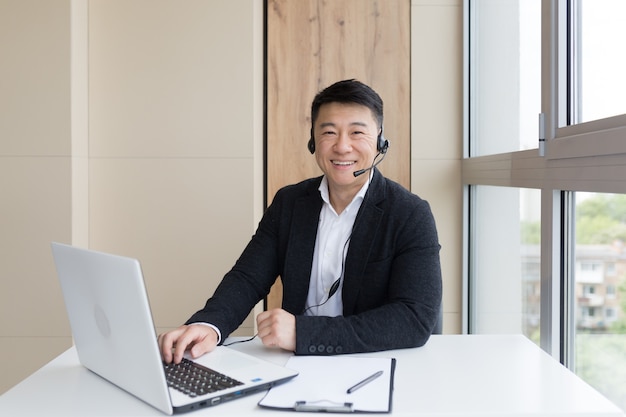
x=312 y=349
x=321 y=348
x=330 y=350
x=338 y=350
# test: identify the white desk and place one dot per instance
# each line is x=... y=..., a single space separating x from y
x=453 y=375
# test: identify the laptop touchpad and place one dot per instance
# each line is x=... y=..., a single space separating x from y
x=225 y=360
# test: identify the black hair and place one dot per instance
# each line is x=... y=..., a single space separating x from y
x=348 y=91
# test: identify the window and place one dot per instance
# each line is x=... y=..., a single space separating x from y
x=546 y=225
x=505 y=296
x=610 y=290
x=610 y=268
x=504 y=114
x=598 y=328
x=610 y=314
x=588 y=290
x=600 y=69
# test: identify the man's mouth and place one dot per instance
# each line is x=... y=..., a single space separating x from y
x=343 y=163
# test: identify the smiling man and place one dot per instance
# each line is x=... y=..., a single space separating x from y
x=358 y=254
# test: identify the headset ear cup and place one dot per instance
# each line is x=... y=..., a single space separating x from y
x=311 y=144
x=382 y=145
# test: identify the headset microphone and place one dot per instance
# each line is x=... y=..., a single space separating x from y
x=363 y=171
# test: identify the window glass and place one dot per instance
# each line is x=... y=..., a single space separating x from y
x=505 y=75
x=599 y=293
x=599 y=62
x=506 y=257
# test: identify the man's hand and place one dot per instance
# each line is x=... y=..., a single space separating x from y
x=277 y=328
x=197 y=338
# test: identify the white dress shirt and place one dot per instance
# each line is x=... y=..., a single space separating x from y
x=331 y=246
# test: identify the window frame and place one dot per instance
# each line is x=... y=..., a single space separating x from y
x=588 y=157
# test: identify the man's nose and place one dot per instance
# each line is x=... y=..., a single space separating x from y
x=343 y=143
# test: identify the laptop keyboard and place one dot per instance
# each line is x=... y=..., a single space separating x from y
x=194 y=380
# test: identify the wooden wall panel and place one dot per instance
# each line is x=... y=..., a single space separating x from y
x=310 y=45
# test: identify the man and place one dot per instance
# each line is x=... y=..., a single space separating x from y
x=358 y=255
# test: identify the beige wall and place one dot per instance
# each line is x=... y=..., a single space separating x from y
x=175 y=110
x=135 y=127
x=437 y=134
x=35 y=181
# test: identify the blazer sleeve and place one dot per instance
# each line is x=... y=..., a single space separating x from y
x=396 y=295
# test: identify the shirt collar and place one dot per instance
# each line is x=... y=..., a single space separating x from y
x=323 y=189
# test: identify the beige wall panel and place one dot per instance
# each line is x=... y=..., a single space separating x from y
x=34 y=69
x=80 y=121
x=437 y=135
x=35 y=210
x=171 y=79
x=34 y=180
x=452 y=323
x=437 y=3
x=437 y=81
x=437 y=181
x=175 y=106
x=26 y=355
x=179 y=218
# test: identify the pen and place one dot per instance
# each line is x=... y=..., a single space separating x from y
x=364 y=382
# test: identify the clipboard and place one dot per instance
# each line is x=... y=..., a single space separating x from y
x=323 y=383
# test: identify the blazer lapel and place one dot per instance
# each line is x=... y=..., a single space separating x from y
x=299 y=256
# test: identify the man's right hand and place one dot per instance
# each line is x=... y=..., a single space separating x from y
x=198 y=339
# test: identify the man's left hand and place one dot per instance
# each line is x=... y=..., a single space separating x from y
x=277 y=328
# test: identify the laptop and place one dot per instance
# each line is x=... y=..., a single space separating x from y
x=114 y=335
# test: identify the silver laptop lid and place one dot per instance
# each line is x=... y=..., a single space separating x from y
x=110 y=317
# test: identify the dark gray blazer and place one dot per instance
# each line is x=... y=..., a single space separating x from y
x=392 y=278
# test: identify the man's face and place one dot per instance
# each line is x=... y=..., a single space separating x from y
x=345 y=141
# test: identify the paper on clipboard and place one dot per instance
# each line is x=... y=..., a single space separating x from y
x=323 y=381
